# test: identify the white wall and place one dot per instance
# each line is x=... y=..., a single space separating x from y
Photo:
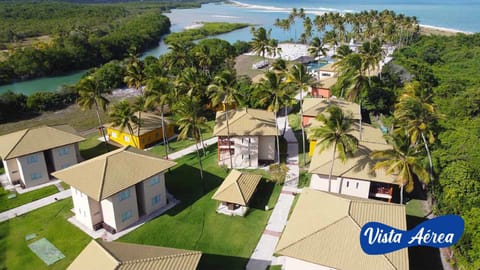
x=353 y=187
x=295 y=264
x=27 y=170
x=81 y=207
x=113 y=209
x=64 y=161
x=320 y=182
x=246 y=152
x=266 y=147
x=150 y=191
x=11 y=170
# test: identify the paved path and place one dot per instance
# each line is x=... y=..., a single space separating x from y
x=262 y=256
x=34 y=205
x=191 y=149
x=66 y=193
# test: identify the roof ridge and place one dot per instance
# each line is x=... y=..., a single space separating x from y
x=360 y=227
x=239 y=189
x=162 y=257
x=231 y=121
x=18 y=141
x=103 y=178
x=107 y=251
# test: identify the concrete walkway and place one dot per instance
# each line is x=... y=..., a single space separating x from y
x=66 y=193
x=34 y=205
x=262 y=256
x=191 y=149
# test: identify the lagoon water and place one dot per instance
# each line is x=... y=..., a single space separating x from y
x=459 y=15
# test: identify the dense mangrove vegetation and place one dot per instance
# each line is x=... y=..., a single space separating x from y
x=50 y=38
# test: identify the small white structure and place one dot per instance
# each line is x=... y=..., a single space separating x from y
x=235 y=193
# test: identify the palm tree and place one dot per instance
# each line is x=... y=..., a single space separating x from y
x=416 y=116
x=123 y=115
x=335 y=132
x=299 y=76
x=158 y=93
x=178 y=57
x=331 y=37
x=190 y=125
x=92 y=93
x=224 y=91
x=307 y=28
x=351 y=76
x=371 y=54
x=135 y=78
x=403 y=161
x=261 y=41
x=275 y=93
x=317 y=48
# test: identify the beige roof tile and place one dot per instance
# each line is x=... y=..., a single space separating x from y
x=34 y=140
x=324 y=229
x=150 y=122
x=237 y=188
x=330 y=67
x=358 y=165
x=126 y=256
x=246 y=122
x=105 y=175
x=316 y=106
x=328 y=83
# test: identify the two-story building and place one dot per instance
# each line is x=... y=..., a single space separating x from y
x=252 y=138
x=30 y=155
x=355 y=176
x=114 y=190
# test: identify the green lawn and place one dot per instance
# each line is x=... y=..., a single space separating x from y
x=177 y=145
x=92 y=147
x=49 y=222
x=415 y=208
x=226 y=242
x=2 y=170
x=24 y=198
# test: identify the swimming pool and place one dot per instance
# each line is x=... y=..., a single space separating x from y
x=316 y=65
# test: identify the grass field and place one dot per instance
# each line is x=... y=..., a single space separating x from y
x=177 y=145
x=49 y=222
x=24 y=198
x=226 y=242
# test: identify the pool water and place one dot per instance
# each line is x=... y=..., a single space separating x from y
x=316 y=65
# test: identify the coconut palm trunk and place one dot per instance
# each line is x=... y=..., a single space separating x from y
x=303 y=129
x=228 y=136
x=401 y=194
x=100 y=125
x=164 y=134
x=278 y=140
x=285 y=122
x=331 y=167
x=201 y=166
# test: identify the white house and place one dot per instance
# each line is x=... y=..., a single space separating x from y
x=355 y=176
x=323 y=233
x=114 y=190
x=30 y=155
x=252 y=138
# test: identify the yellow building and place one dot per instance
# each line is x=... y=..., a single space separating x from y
x=150 y=132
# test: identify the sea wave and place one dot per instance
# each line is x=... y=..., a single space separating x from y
x=226 y=16
x=308 y=10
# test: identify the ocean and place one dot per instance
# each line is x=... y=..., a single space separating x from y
x=459 y=15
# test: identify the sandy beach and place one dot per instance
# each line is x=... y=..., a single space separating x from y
x=442 y=31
